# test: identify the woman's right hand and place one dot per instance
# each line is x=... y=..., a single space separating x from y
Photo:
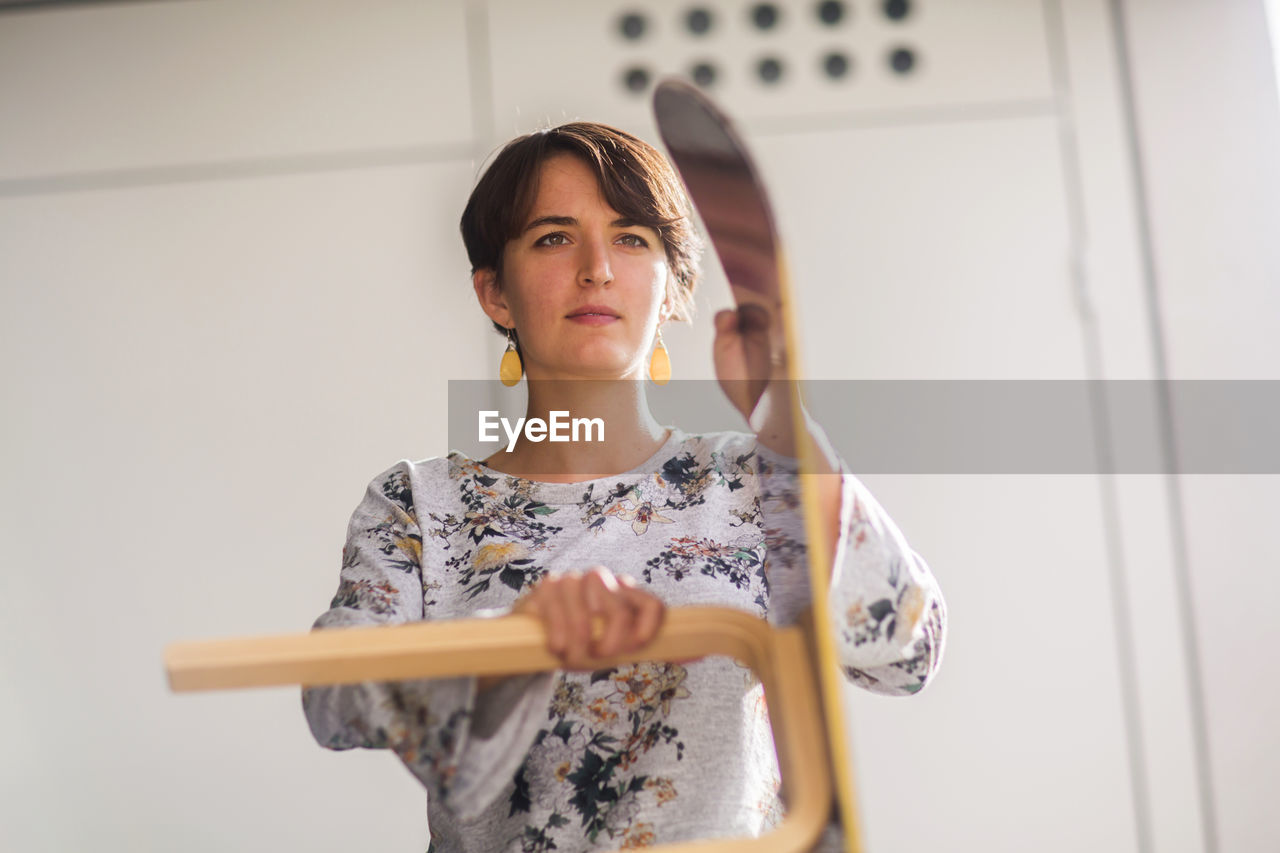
x=567 y=605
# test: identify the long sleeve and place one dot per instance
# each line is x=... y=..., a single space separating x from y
x=427 y=723
x=885 y=605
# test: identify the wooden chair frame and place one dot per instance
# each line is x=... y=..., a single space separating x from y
x=782 y=658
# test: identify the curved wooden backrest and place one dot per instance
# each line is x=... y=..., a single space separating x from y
x=780 y=657
x=729 y=193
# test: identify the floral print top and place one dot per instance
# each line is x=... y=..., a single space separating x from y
x=636 y=755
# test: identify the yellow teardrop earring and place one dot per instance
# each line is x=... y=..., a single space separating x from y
x=660 y=363
x=510 y=369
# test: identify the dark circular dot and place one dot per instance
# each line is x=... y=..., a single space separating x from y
x=632 y=26
x=636 y=80
x=698 y=21
x=835 y=65
x=769 y=69
x=831 y=12
x=902 y=60
x=764 y=16
x=704 y=74
x=896 y=10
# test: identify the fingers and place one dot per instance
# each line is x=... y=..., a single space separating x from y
x=747 y=318
x=649 y=613
x=726 y=320
x=577 y=617
x=604 y=600
x=568 y=605
x=545 y=602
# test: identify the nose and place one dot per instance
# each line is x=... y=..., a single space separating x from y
x=595 y=270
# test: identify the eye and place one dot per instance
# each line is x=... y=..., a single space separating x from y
x=555 y=238
x=633 y=240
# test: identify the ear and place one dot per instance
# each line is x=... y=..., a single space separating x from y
x=490 y=296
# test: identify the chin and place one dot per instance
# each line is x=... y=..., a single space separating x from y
x=606 y=360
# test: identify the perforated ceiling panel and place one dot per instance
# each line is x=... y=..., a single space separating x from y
x=763 y=60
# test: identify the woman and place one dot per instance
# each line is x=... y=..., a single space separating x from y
x=582 y=247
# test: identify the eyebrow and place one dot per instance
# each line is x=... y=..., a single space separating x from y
x=620 y=222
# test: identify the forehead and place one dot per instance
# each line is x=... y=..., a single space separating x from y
x=566 y=183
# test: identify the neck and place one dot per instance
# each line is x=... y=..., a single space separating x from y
x=630 y=432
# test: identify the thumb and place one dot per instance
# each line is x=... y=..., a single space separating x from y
x=726 y=320
x=525 y=604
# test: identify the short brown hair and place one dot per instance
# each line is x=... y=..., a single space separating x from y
x=634 y=177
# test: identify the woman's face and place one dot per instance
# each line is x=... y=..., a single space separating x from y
x=584 y=288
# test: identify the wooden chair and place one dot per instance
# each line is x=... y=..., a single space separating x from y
x=796 y=665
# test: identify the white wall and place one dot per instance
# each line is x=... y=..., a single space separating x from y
x=228 y=254
x=1208 y=133
x=231 y=292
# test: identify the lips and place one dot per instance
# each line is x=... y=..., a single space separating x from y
x=594 y=311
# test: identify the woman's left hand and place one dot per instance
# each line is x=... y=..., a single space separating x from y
x=747 y=354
